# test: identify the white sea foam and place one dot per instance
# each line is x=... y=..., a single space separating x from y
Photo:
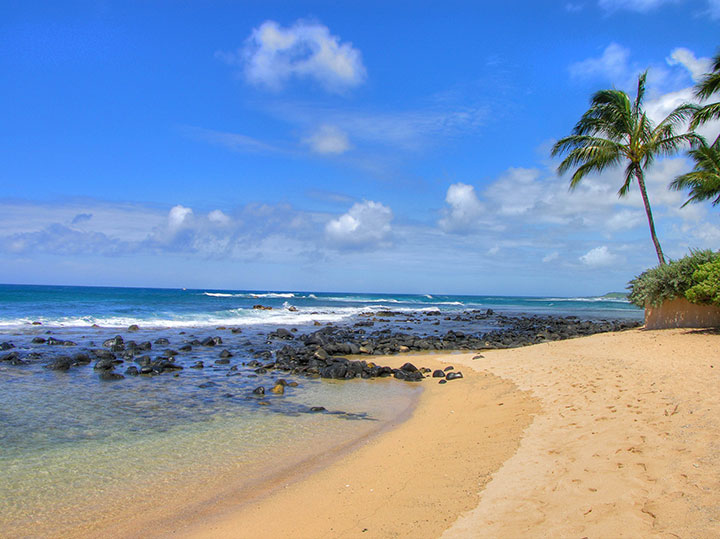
x=272 y=295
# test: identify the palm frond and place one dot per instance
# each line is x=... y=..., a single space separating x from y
x=705 y=114
x=630 y=173
x=704 y=181
x=710 y=83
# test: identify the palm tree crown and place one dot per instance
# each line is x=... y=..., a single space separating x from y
x=616 y=130
x=706 y=88
x=704 y=180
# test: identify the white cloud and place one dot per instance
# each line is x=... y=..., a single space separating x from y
x=366 y=223
x=625 y=219
x=598 y=257
x=178 y=217
x=273 y=55
x=219 y=218
x=685 y=57
x=612 y=64
x=328 y=139
x=516 y=190
x=465 y=209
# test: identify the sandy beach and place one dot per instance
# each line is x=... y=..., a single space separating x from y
x=613 y=435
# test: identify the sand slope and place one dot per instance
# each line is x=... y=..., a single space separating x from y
x=614 y=435
x=627 y=445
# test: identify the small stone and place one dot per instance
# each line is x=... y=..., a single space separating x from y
x=133 y=327
x=438 y=374
x=317 y=409
x=259 y=390
x=454 y=375
x=443 y=381
x=279 y=389
x=449 y=368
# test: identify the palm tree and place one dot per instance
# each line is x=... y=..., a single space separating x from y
x=709 y=85
x=615 y=130
x=704 y=180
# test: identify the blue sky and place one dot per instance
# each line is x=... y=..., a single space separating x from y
x=346 y=146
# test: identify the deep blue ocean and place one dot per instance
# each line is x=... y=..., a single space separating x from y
x=77 y=453
x=74 y=306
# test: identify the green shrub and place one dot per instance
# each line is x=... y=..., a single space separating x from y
x=669 y=281
x=707 y=289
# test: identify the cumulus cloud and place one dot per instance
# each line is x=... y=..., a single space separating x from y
x=218 y=217
x=685 y=57
x=178 y=217
x=273 y=54
x=611 y=64
x=366 y=223
x=328 y=139
x=598 y=257
x=615 y=67
x=464 y=209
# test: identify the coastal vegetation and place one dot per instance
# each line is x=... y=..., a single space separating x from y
x=616 y=130
x=695 y=277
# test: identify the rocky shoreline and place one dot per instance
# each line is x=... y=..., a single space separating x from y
x=319 y=354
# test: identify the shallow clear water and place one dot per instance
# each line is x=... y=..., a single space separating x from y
x=77 y=453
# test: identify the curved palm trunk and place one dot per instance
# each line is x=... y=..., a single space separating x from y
x=641 y=183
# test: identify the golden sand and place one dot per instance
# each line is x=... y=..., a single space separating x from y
x=614 y=435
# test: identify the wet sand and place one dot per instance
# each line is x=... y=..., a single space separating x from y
x=613 y=435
